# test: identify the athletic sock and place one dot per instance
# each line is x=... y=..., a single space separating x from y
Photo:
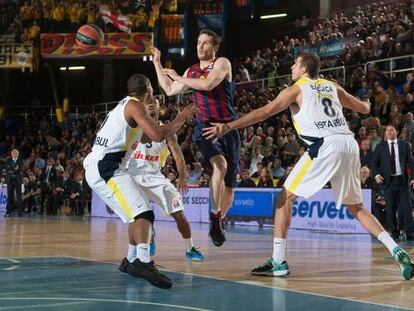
x=188 y=243
x=279 y=250
x=143 y=252
x=387 y=240
x=132 y=253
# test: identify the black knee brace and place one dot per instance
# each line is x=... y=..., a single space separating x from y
x=149 y=215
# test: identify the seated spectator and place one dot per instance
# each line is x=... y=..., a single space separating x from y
x=269 y=158
x=246 y=181
x=256 y=158
x=61 y=191
x=365 y=154
x=265 y=179
x=290 y=150
x=281 y=181
x=31 y=194
x=80 y=195
x=278 y=171
x=195 y=175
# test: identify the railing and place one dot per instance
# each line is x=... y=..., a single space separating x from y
x=78 y=112
x=391 y=62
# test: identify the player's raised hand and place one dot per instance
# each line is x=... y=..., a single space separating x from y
x=171 y=73
x=156 y=53
x=215 y=131
x=186 y=113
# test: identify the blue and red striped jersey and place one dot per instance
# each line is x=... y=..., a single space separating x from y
x=215 y=105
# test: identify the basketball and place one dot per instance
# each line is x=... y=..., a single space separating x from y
x=89 y=36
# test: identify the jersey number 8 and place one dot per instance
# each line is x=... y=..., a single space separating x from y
x=328 y=109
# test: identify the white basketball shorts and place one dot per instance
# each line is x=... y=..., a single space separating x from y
x=337 y=161
x=119 y=192
x=159 y=189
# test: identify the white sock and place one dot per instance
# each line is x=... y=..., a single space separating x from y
x=143 y=253
x=279 y=250
x=132 y=253
x=188 y=243
x=387 y=240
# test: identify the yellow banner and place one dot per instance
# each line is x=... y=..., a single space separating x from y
x=62 y=45
x=16 y=55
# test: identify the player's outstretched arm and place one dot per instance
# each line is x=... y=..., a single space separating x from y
x=169 y=86
x=155 y=132
x=221 y=69
x=280 y=103
x=351 y=102
x=178 y=156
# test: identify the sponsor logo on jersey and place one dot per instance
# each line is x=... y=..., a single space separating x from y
x=146 y=157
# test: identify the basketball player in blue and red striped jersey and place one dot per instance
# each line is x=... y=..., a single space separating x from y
x=213 y=89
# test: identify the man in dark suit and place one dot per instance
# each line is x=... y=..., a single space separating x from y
x=62 y=191
x=80 y=194
x=365 y=154
x=47 y=179
x=14 y=180
x=392 y=157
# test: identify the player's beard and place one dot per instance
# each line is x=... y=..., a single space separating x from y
x=206 y=55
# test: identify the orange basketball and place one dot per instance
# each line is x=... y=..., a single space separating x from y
x=89 y=36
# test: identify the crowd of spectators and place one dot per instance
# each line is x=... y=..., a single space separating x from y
x=22 y=21
x=271 y=148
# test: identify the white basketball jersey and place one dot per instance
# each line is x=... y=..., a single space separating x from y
x=115 y=134
x=148 y=158
x=321 y=112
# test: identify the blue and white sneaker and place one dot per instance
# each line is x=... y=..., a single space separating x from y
x=153 y=247
x=194 y=254
x=272 y=268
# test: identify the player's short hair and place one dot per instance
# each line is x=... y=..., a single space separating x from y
x=213 y=35
x=137 y=84
x=312 y=63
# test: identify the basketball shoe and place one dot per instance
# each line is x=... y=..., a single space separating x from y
x=149 y=272
x=194 y=254
x=272 y=268
x=404 y=261
x=216 y=232
x=124 y=265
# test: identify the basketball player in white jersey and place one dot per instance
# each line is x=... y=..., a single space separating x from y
x=145 y=166
x=129 y=120
x=333 y=155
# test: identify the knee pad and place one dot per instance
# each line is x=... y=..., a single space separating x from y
x=149 y=215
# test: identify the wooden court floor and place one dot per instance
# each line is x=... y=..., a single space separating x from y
x=342 y=268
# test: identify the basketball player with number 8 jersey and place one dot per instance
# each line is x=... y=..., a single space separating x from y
x=332 y=156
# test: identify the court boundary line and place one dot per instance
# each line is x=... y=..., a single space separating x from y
x=263 y=285
x=166 y=305
x=234 y=281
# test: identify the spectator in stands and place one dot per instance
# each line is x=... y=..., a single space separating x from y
x=266 y=178
x=290 y=150
x=278 y=171
x=373 y=138
x=31 y=195
x=255 y=159
x=61 y=191
x=246 y=181
x=47 y=178
x=80 y=195
x=195 y=175
x=365 y=154
x=269 y=158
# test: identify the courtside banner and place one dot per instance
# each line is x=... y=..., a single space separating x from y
x=63 y=45
x=3 y=197
x=257 y=202
x=16 y=55
x=319 y=213
x=196 y=206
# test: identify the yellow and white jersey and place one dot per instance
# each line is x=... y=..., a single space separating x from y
x=147 y=158
x=321 y=112
x=115 y=134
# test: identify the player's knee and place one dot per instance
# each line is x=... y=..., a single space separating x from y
x=149 y=215
x=285 y=197
x=354 y=208
x=178 y=216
